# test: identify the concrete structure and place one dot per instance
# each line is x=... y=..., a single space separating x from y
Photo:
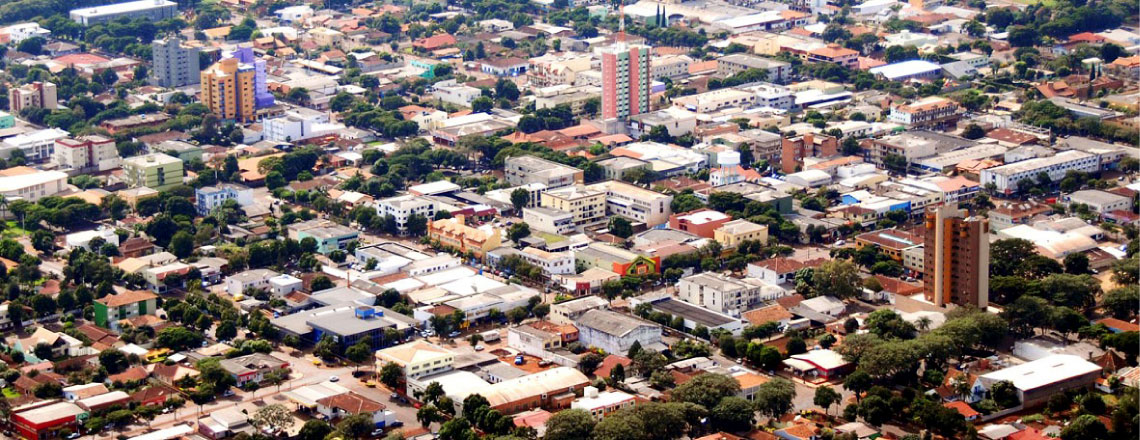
x=557 y=68
x=731 y=234
x=530 y=169
x=17 y=33
x=346 y=323
x=617 y=167
x=238 y=283
x=635 y=203
x=625 y=80
x=956 y=258
x=156 y=171
x=908 y=70
x=152 y=10
x=330 y=238
x=32 y=95
x=403 y=207
x=418 y=358
x=298 y=125
x=794 y=150
x=551 y=221
x=209 y=198
x=1038 y=380
x=227 y=89
x=86 y=153
x=724 y=294
x=703 y=222
x=932 y=112
x=567 y=312
x=588 y=206
x=615 y=332
x=44 y=419
x=1100 y=202
x=819 y=363
x=600 y=404
x=173 y=64
x=83 y=239
x=729 y=65
x=455 y=233
x=1006 y=177
x=110 y=309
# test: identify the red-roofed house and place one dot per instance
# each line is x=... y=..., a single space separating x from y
x=964 y=409
x=609 y=363
x=434 y=42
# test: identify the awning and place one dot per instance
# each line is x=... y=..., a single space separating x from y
x=799 y=365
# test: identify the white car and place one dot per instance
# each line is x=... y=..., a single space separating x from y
x=334 y=379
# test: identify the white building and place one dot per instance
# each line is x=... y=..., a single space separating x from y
x=284 y=284
x=209 y=198
x=16 y=33
x=459 y=94
x=296 y=125
x=809 y=178
x=551 y=221
x=635 y=203
x=402 y=207
x=552 y=263
x=38 y=146
x=615 y=332
x=724 y=294
x=601 y=403
x=294 y=14
x=83 y=239
x=1006 y=177
x=91 y=152
x=237 y=283
x=31 y=184
x=1098 y=201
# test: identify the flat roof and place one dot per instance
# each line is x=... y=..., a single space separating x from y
x=1045 y=371
x=700 y=315
x=906 y=68
x=121 y=8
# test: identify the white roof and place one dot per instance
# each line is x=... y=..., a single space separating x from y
x=446 y=276
x=14 y=183
x=602 y=400
x=905 y=68
x=437 y=187
x=700 y=218
x=309 y=395
x=120 y=8
x=176 y=431
x=103 y=398
x=471 y=285
x=1042 y=372
x=826 y=359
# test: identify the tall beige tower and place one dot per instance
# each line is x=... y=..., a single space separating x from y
x=956 y=269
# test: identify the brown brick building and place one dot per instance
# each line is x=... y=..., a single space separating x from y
x=956 y=257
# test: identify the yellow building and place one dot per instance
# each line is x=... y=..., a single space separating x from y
x=732 y=233
x=227 y=89
x=586 y=205
x=455 y=233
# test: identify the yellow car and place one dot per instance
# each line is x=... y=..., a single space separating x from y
x=370 y=384
x=316 y=361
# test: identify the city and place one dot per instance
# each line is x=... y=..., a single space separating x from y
x=569 y=219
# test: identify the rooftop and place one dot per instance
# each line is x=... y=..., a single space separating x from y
x=1042 y=372
x=612 y=323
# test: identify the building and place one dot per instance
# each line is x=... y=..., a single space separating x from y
x=625 y=80
x=330 y=238
x=616 y=167
x=298 y=125
x=587 y=206
x=908 y=70
x=550 y=221
x=1007 y=177
x=458 y=94
x=934 y=112
x=17 y=33
x=675 y=120
x=669 y=66
x=635 y=203
x=83 y=239
x=1100 y=202
x=731 y=234
x=794 y=150
x=227 y=89
x=455 y=233
x=588 y=282
x=733 y=64
x=834 y=54
x=45 y=419
x=239 y=283
x=151 y=10
x=209 y=198
x=253 y=367
x=30 y=184
x=567 y=312
x=557 y=68
x=551 y=263
x=890 y=242
x=114 y=126
x=523 y=170
x=826 y=364
x=617 y=260
x=601 y=403
x=702 y=222
x=38 y=146
x=615 y=332
x=956 y=258
x=32 y=95
x=86 y=153
x=725 y=294
x=110 y=309
x=346 y=324
x=174 y=64
x=418 y=358
x=156 y=171
x=1038 y=380
x=403 y=207
x=551 y=389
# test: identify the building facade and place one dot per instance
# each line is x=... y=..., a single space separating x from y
x=112 y=308
x=956 y=258
x=173 y=64
x=33 y=95
x=227 y=89
x=91 y=152
x=155 y=171
x=625 y=80
x=152 y=10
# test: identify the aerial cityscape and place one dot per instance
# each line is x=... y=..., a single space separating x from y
x=569 y=219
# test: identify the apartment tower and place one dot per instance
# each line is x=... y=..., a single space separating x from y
x=36 y=94
x=227 y=89
x=625 y=80
x=174 y=65
x=957 y=257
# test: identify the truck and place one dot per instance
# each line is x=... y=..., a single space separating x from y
x=490 y=335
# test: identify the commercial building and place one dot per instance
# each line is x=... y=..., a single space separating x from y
x=551 y=221
x=615 y=332
x=110 y=309
x=45 y=419
x=455 y=233
x=253 y=367
x=669 y=66
x=588 y=282
x=1100 y=202
x=724 y=294
x=819 y=363
x=1007 y=177
x=567 y=312
x=731 y=234
x=956 y=258
x=346 y=324
x=617 y=260
x=209 y=198
x=156 y=171
x=33 y=95
x=417 y=358
x=675 y=120
x=703 y=222
x=616 y=167
x=551 y=389
x=298 y=125
x=1038 y=380
x=557 y=68
x=834 y=54
x=729 y=65
x=635 y=203
x=625 y=80
x=601 y=403
x=523 y=170
x=588 y=206
x=908 y=70
x=330 y=238
x=238 y=283
x=86 y=153
x=151 y=10
x=890 y=242
x=403 y=207
x=934 y=112
x=174 y=64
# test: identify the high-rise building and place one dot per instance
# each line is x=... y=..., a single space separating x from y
x=227 y=89
x=36 y=94
x=625 y=80
x=956 y=257
x=262 y=97
x=86 y=153
x=174 y=65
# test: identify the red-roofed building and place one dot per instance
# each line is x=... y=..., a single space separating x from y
x=1119 y=326
x=609 y=363
x=964 y=409
x=1086 y=37
x=434 y=42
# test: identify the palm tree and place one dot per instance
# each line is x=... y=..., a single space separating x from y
x=3 y=206
x=923 y=324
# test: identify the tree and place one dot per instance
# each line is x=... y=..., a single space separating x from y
x=272 y=418
x=321 y=282
x=857 y=383
x=417 y=225
x=620 y=227
x=1004 y=394
x=390 y=374
x=839 y=278
x=732 y=414
x=973 y=131
x=113 y=360
x=518 y=231
x=826 y=396
x=570 y=424
x=315 y=429
x=356 y=426
x=1121 y=302
x=1084 y=427
x=520 y=198
x=589 y=362
x=482 y=104
x=706 y=390
x=774 y=398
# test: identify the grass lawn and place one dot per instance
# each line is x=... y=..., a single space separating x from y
x=550 y=238
x=10 y=393
x=13 y=230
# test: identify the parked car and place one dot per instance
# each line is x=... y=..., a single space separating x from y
x=520 y=360
x=334 y=379
x=454 y=334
